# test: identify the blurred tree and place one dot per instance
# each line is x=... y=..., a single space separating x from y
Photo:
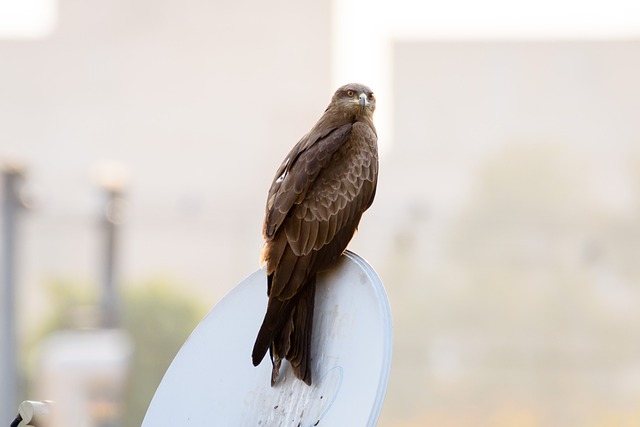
x=527 y=310
x=156 y=314
x=171 y=315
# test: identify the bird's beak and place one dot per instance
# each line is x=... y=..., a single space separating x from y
x=363 y=100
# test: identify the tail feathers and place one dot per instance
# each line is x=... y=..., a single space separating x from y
x=286 y=333
x=277 y=313
x=276 y=361
x=299 y=351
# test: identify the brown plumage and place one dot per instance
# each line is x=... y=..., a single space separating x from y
x=313 y=209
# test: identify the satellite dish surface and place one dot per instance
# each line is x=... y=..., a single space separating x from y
x=212 y=381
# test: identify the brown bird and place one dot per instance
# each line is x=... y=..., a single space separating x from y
x=314 y=205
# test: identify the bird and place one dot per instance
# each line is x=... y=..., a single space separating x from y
x=314 y=205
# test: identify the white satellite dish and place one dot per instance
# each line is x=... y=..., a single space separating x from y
x=212 y=382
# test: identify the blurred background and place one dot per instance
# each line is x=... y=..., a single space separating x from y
x=138 y=140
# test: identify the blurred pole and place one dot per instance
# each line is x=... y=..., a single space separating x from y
x=9 y=387
x=112 y=179
x=111 y=217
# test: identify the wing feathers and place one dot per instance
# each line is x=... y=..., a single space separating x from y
x=304 y=163
x=313 y=208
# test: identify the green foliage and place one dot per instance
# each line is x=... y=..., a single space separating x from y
x=159 y=320
x=157 y=315
x=67 y=297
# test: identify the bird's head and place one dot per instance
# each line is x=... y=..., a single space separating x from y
x=354 y=98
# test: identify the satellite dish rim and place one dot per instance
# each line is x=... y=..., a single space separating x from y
x=362 y=274
x=385 y=309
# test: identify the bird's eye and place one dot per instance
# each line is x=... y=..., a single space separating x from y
x=371 y=95
x=350 y=93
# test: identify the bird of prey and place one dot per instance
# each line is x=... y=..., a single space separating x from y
x=315 y=203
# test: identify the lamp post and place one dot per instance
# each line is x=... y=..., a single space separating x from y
x=12 y=177
x=112 y=180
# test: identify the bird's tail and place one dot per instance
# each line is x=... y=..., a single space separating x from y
x=278 y=312
x=291 y=337
x=294 y=341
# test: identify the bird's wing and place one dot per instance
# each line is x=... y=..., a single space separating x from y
x=319 y=226
x=344 y=189
x=299 y=170
x=314 y=206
